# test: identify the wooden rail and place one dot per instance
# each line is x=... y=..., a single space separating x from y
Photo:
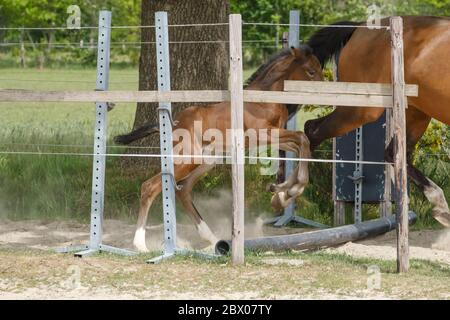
x=298 y=92
x=347 y=88
x=113 y=96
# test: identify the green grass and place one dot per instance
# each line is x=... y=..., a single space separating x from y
x=33 y=186
x=316 y=277
x=58 y=186
x=46 y=186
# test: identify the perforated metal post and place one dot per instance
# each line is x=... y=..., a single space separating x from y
x=294 y=41
x=289 y=213
x=100 y=137
x=339 y=205
x=99 y=163
x=165 y=125
x=166 y=143
x=358 y=175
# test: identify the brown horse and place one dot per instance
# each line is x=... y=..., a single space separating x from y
x=365 y=56
x=293 y=64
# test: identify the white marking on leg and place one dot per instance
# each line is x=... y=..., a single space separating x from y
x=276 y=203
x=285 y=199
x=205 y=233
x=139 y=240
x=281 y=201
x=436 y=196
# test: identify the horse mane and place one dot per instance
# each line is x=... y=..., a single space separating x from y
x=330 y=40
x=265 y=67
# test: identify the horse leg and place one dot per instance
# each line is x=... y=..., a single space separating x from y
x=149 y=191
x=298 y=143
x=417 y=123
x=435 y=195
x=339 y=122
x=293 y=187
x=185 y=196
x=313 y=124
x=282 y=198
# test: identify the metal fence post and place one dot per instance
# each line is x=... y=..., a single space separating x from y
x=169 y=183
x=358 y=176
x=289 y=213
x=165 y=125
x=100 y=139
x=99 y=163
x=294 y=41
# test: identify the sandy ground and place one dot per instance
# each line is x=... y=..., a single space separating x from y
x=33 y=275
x=38 y=234
x=433 y=245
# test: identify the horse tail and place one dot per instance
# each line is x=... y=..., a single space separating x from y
x=141 y=132
x=330 y=40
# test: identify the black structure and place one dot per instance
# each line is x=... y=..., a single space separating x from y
x=373 y=176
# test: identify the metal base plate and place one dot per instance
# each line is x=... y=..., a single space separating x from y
x=84 y=250
x=181 y=252
x=284 y=220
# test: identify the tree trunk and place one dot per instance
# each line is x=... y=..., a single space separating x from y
x=193 y=66
x=22 y=51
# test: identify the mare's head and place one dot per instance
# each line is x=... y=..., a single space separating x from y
x=290 y=64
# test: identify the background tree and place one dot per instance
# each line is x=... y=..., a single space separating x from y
x=194 y=66
x=43 y=13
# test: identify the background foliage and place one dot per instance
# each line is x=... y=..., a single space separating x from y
x=43 y=13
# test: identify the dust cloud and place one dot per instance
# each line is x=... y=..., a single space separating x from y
x=443 y=241
x=216 y=210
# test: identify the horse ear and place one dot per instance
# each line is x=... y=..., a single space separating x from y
x=294 y=52
x=307 y=50
x=303 y=53
x=298 y=53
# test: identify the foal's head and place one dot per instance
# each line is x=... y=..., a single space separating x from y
x=289 y=64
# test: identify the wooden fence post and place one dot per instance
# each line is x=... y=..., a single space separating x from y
x=237 y=136
x=386 y=205
x=399 y=127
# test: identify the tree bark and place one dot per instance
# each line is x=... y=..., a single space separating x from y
x=193 y=66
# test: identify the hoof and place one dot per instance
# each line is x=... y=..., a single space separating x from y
x=211 y=249
x=276 y=204
x=141 y=249
x=139 y=241
x=212 y=242
x=271 y=188
x=442 y=217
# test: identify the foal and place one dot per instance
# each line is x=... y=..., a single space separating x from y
x=291 y=64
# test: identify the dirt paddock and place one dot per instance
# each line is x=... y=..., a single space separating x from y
x=29 y=269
